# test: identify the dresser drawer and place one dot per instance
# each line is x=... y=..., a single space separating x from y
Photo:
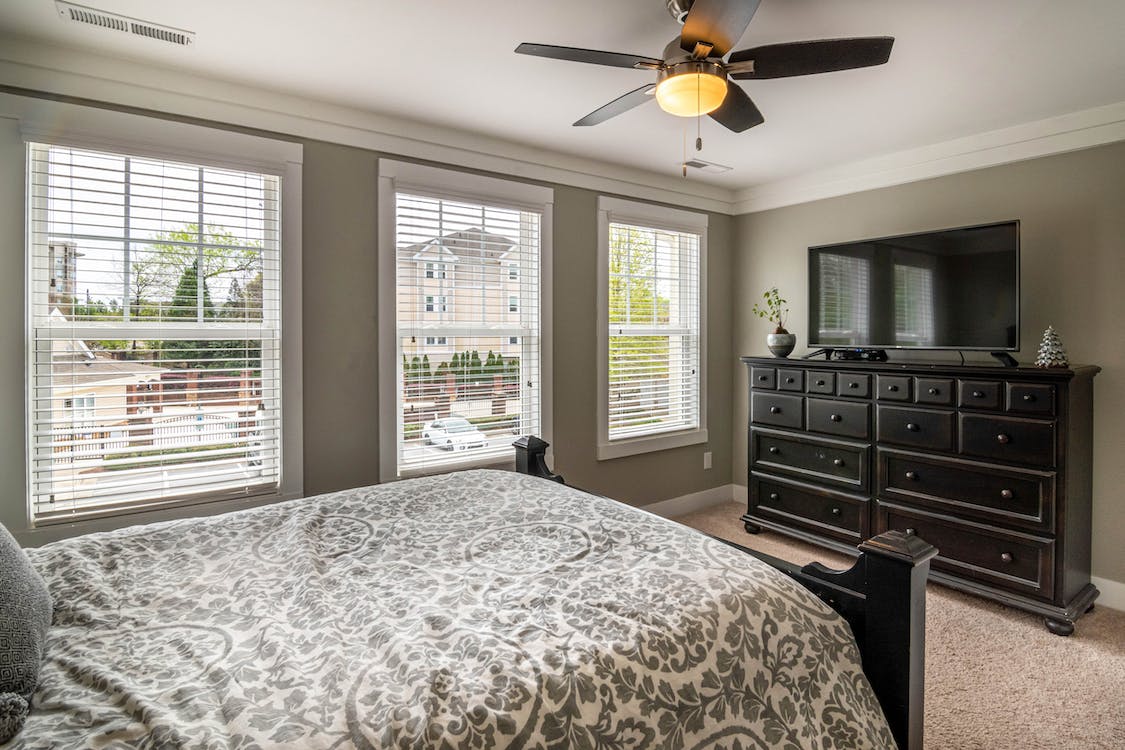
x=918 y=428
x=822 y=511
x=763 y=377
x=812 y=459
x=986 y=492
x=1007 y=559
x=821 y=382
x=853 y=384
x=790 y=380
x=892 y=387
x=1009 y=439
x=844 y=418
x=936 y=391
x=1030 y=398
x=777 y=409
x=978 y=394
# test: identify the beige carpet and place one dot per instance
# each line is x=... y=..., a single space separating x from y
x=995 y=678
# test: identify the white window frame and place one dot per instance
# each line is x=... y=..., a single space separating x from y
x=618 y=210
x=395 y=175
x=64 y=124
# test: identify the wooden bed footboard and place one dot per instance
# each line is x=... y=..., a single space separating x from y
x=882 y=596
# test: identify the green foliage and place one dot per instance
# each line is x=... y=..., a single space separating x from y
x=773 y=309
x=634 y=299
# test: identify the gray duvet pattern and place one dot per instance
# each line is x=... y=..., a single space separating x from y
x=473 y=610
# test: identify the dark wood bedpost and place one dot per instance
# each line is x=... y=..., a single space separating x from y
x=894 y=637
x=531 y=458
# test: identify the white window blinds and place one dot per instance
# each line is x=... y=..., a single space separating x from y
x=845 y=282
x=914 y=305
x=155 y=332
x=468 y=329
x=653 y=331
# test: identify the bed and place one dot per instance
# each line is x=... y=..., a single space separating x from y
x=471 y=610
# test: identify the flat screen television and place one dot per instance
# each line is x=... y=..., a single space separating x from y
x=949 y=289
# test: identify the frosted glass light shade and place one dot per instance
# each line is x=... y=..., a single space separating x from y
x=691 y=94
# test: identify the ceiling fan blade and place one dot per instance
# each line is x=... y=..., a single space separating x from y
x=807 y=58
x=592 y=56
x=720 y=23
x=621 y=104
x=737 y=112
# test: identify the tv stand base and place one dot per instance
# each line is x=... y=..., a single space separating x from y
x=1006 y=359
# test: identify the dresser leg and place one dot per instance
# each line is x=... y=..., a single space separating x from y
x=751 y=528
x=1089 y=609
x=1059 y=627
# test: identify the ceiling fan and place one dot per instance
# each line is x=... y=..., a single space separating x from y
x=692 y=78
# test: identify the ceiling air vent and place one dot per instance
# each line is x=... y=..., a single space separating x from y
x=115 y=22
x=706 y=166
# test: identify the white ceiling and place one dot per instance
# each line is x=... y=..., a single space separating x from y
x=959 y=68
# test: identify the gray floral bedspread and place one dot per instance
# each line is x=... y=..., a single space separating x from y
x=474 y=610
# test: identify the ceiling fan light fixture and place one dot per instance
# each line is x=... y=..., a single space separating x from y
x=691 y=89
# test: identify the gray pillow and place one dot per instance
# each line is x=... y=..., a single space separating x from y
x=25 y=616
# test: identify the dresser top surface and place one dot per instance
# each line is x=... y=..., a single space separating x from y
x=922 y=367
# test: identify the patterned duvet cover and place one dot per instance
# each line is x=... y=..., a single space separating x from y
x=473 y=610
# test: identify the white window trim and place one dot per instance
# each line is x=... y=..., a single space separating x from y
x=58 y=123
x=446 y=183
x=645 y=214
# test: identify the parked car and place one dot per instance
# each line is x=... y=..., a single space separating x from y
x=453 y=433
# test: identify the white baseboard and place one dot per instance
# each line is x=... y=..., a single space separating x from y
x=741 y=493
x=1113 y=593
x=684 y=504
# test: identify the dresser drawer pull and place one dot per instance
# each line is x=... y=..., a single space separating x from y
x=892 y=388
x=820 y=382
x=853 y=384
x=838 y=462
x=762 y=378
x=774 y=496
x=835 y=511
x=775 y=450
x=835 y=417
x=912 y=427
x=978 y=394
x=1003 y=439
x=1029 y=397
x=933 y=391
x=789 y=379
x=1006 y=557
x=911 y=475
x=1007 y=494
x=910 y=531
x=775 y=410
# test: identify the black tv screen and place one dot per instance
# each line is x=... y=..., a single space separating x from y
x=950 y=289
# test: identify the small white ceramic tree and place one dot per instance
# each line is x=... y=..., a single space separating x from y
x=1051 y=352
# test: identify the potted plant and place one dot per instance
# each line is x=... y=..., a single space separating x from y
x=780 y=342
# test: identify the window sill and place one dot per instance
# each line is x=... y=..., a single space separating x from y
x=649 y=444
x=446 y=467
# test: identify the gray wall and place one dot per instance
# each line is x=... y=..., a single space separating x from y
x=1072 y=213
x=340 y=344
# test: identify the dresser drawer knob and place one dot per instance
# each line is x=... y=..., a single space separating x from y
x=1003 y=439
x=1029 y=397
x=774 y=496
x=835 y=417
x=835 y=511
x=775 y=410
x=892 y=388
x=820 y=382
x=912 y=427
x=762 y=378
x=933 y=391
x=910 y=531
x=1007 y=494
x=838 y=462
x=978 y=394
x=912 y=475
x=1006 y=557
x=853 y=384
x=774 y=450
x=789 y=380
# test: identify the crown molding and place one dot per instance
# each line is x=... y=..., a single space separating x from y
x=1054 y=135
x=39 y=67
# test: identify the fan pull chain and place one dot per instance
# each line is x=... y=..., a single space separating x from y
x=698 y=116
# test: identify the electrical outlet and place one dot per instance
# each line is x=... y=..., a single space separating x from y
x=706 y=460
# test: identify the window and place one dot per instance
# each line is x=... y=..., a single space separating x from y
x=914 y=305
x=845 y=282
x=651 y=294
x=436 y=270
x=464 y=406
x=435 y=340
x=155 y=330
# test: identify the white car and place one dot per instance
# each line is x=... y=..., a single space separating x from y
x=453 y=433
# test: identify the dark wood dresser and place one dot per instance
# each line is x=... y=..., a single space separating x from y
x=991 y=465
